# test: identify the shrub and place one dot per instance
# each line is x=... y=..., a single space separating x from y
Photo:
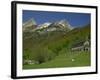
x=42 y=55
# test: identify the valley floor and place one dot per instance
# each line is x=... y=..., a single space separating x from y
x=75 y=59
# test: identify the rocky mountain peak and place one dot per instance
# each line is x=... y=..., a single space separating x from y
x=47 y=26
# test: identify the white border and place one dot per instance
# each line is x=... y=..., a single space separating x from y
x=21 y=72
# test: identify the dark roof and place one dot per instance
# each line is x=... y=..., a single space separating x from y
x=78 y=44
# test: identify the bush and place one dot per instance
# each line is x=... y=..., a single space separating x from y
x=42 y=55
x=26 y=54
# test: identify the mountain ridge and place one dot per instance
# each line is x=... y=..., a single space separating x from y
x=61 y=25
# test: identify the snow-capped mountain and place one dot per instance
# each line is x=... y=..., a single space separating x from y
x=29 y=25
x=65 y=24
x=61 y=25
x=45 y=25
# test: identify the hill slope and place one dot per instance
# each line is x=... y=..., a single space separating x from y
x=47 y=48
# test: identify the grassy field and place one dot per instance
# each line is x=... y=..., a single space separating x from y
x=76 y=59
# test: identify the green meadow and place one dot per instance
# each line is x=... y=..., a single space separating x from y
x=64 y=60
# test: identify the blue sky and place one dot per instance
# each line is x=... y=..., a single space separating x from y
x=74 y=19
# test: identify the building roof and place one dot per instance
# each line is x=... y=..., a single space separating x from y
x=78 y=44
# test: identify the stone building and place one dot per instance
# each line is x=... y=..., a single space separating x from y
x=81 y=46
